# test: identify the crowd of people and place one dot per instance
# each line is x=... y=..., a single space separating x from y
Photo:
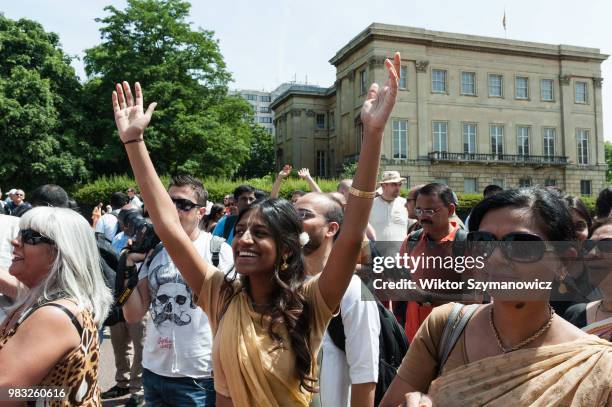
x=260 y=301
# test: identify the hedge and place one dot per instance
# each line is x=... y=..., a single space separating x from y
x=100 y=190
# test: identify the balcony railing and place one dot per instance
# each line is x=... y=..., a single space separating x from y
x=498 y=158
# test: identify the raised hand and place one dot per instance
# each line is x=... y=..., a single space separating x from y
x=130 y=117
x=304 y=173
x=286 y=171
x=379 y=102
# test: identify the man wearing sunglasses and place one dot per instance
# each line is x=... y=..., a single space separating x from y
x=18 y=206
x=177 y=365
x=434 y=208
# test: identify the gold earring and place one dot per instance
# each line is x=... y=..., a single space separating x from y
x=284 y=266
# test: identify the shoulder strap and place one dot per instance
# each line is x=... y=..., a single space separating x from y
x=215 y=248
x=455 y=324
x=230 y=221
x=73 y=318
x=413 y=238
x=156 y=250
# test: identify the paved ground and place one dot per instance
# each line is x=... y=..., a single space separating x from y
x=106 y=376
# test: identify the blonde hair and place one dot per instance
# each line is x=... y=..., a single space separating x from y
x=76 y=269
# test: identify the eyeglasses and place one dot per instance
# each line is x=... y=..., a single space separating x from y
x=304 y=214
x=602 y=246
x=184 y=205
x=426 y=212
x=517 y=246
x=32 y=237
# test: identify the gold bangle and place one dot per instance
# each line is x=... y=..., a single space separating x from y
x=362 y=194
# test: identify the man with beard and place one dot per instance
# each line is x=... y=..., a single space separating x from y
x=434 y=208
x=347 y=378
x=176 y=358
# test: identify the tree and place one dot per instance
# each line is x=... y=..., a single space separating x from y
x=608 y=153
x=40 y=115
x=196 y=126
x=261 y=155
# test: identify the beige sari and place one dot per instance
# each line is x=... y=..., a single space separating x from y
x=577 y=373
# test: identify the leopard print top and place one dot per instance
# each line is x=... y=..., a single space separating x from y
x=77 y=371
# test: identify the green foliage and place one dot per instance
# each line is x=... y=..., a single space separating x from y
x=196 y=128
x=608 y=154
x=261 y=155
x=348 y=171
x=40 y=116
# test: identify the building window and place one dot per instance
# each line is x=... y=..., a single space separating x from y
x=264 y=109
x=400 y=139
x=496 y=86
x=469 y=138
x=469 y=185
x=521 y=87
x=332 y=120
x=468 y=83
x=549 y=182
x=547 y=92
x=270 y=130
x=363 y=81
x=443 y=181
x=523 y=140
x=500 y=182
x=264 y=98
x=251 y=97
x=265 y=119
x=440 y=136
x=524 y=182
x=585 y=187
x=320 y=121
x=438 y=80
x=403 y=82
x=581 y=92
x=549 y=141
x=497 y=139
x=583 y=146
x=321 y=163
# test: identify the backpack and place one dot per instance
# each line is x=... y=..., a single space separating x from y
x=392 y=344
x=230 y=222
x=109 y=263
x=215 y=248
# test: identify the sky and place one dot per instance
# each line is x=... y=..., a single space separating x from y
x=268 y=42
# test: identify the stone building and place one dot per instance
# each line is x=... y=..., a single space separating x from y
x=471 y=111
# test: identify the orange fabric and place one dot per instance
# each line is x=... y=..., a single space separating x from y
x=417 y=313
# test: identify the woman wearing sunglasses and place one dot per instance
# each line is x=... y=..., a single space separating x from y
x=515 y=350
x=596 y=317
x=50 y=336
x=268 y=323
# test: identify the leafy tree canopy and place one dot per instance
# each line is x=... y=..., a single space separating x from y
x=40 y=113
x=197 y=127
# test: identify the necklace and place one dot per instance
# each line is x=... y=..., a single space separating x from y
x=524 y=342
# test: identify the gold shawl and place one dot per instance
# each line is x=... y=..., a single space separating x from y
x=247 y=364
x=577 y=373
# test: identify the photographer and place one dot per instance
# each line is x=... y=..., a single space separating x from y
x=177 y=355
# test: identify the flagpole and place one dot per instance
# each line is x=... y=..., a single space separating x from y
x=504 y=24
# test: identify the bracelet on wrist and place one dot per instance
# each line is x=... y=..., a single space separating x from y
x=362 y=194
x=136 y=140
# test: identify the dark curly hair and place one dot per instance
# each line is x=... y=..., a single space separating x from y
x=289 y=307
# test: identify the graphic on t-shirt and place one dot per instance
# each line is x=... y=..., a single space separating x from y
x=171 y=298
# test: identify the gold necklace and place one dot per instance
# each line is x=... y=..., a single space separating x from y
x=524 y=342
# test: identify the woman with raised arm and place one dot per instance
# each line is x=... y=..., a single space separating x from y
x=268 y=324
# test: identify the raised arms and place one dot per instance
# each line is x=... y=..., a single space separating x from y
x=374 y=115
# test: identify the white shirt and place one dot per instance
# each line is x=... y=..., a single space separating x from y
x=107 y=224
x=339 y=370
x=136 y=202
x=178 y=339
x=389 y=219
x=9 y=227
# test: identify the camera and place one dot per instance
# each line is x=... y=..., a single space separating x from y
x=142 y=231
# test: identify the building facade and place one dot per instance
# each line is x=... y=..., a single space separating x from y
x=471 y=111
x=260 y=101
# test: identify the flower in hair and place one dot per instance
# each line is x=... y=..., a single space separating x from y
x=304 y=239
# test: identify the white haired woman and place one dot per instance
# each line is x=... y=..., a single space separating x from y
x=50 y=338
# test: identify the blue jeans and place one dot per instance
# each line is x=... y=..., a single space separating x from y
x=177 y=391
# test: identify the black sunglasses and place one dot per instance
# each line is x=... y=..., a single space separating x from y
x=33 y=237
x=602 y=246
x=517 y=246
x=184 y=205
